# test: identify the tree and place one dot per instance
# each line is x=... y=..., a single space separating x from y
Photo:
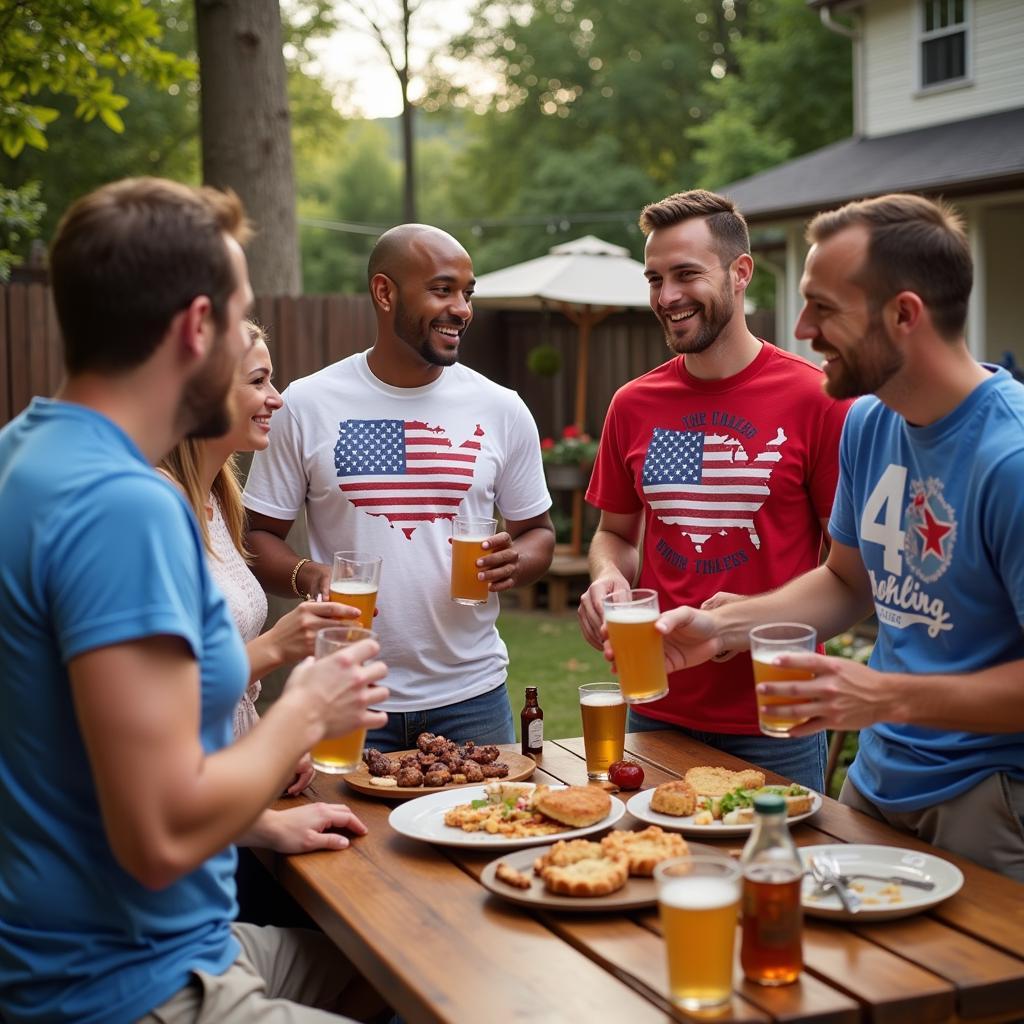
x=76 y=50
x=245 y=129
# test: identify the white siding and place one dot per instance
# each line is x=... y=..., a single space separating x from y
x=893 y=101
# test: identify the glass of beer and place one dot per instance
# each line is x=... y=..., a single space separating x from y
x=604 y=726
x=337 y=754
x=468 y=536
x=766 y=643
x=355 y=578
x=698 y=903
x=639 y=653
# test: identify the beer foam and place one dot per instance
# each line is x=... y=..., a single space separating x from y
x=354 y=587
x=630 y=615
x=698 y=892
x=464 y=539
x=601 y=699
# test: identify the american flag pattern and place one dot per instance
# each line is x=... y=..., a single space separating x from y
x=405 y=470
x=706 y=483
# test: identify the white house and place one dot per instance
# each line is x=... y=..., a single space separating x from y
x=938 y=110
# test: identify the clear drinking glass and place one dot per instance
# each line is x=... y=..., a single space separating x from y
x=355 y=578
x=468 y=535
x=604 y=726
x=766 y=643
x=639 y=652
x=337 y=754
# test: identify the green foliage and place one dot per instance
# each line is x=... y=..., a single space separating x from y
x=76 y=50
x=20 y=213
x=544 y=360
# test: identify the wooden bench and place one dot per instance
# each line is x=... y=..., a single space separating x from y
x=565 y=569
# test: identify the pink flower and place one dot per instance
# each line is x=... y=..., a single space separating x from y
x=571 y=431
x=547 y=443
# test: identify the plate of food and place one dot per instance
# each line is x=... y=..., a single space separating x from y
x=889 y=881
x=580 y=875
x=713 y=802
x=506 y=815
x=436 y=763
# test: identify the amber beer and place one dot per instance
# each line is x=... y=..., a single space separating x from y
x=772 y=919
x=356 y=594
x=630 y=616
x=767 y=642
x=468 y=536
x=604 y=726
x=698 y=902
x=337 y=754
x=355 y=580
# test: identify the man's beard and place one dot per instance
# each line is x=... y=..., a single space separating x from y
x=865 y=370
x=408 y=330
x=206 y=408
x=715 y=316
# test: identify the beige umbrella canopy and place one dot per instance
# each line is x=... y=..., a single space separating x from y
x=587 y=279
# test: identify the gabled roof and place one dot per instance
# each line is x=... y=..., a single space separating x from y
x=980 y=154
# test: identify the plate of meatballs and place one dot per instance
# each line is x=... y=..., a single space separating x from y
x=436 y=763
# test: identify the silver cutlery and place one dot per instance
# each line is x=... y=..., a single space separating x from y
x=825 y=873
x=916 y=883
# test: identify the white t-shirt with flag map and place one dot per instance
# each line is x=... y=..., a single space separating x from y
x=384 y=470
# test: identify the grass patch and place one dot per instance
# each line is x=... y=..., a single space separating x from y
x=549 y=652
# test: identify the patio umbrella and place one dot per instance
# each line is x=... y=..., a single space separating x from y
x=587 y=279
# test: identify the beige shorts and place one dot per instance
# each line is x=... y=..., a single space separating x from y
x=983 y=824
x=282 y=975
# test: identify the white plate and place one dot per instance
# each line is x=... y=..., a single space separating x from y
x=881 y=860
x=423 y=818
x=640 y=807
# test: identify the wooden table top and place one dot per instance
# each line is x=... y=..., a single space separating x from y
x=418 y=924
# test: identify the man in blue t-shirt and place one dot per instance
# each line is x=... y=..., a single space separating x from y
x=924 y=532
x=120 y=791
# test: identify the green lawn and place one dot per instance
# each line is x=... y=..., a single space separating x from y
x=549 y=652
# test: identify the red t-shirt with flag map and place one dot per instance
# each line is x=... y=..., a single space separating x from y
x=734 y=477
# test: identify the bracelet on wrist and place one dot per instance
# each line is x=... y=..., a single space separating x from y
x=295 y=577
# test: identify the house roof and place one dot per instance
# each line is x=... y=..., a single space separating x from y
x=980 y=154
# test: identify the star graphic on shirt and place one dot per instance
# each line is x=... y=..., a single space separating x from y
x=932 y=533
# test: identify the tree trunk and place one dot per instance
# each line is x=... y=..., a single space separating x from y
x=246 y=130
x=408 y=135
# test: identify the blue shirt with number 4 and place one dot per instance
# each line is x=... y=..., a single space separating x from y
x=936 y=514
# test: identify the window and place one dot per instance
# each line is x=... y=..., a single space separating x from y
x=943 y=41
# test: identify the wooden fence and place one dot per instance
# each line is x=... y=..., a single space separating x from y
x=311 y=331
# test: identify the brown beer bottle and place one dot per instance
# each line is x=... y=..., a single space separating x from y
x=771 y=953
x=531 y=722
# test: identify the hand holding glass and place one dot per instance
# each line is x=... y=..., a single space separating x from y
x=468 y=536
x=604 y=726
x=355 y=577
x=766 y=643
x=698 y=903
x=630 y=616
x=337 y=754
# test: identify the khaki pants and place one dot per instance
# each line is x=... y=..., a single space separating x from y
x=280 y=975
x=984 y=824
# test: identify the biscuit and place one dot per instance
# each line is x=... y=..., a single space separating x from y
x=508 y=874
x=719 y=781
x=576 y=806
x=677 y=798
x=384 y=781
x=644 y=850
x=582 y=868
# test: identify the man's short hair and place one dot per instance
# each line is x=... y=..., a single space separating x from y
x=917 y=245
x=131 y=255
x=725 y=223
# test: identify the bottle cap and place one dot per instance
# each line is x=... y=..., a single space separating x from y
x=769 y=803
x=531 y=689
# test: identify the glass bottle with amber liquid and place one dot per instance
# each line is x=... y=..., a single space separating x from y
x=531 y=722
x=771 y=951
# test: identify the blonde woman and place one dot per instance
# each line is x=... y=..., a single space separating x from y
x=205 y=471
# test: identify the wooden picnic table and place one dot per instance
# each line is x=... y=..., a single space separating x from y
x=418 y=924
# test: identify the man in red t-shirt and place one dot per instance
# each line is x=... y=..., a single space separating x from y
x=724 y=460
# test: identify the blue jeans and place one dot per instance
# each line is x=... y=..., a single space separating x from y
x=800 y=760
x=483 y=719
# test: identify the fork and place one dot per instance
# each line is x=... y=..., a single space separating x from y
x=916 y=883
x=825 y=873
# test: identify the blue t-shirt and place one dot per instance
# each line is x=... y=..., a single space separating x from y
x=96 y=549
x=935 y=512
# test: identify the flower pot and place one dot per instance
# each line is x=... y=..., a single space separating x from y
x=567 y=476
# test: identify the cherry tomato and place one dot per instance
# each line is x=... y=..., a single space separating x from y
x=626 y=774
